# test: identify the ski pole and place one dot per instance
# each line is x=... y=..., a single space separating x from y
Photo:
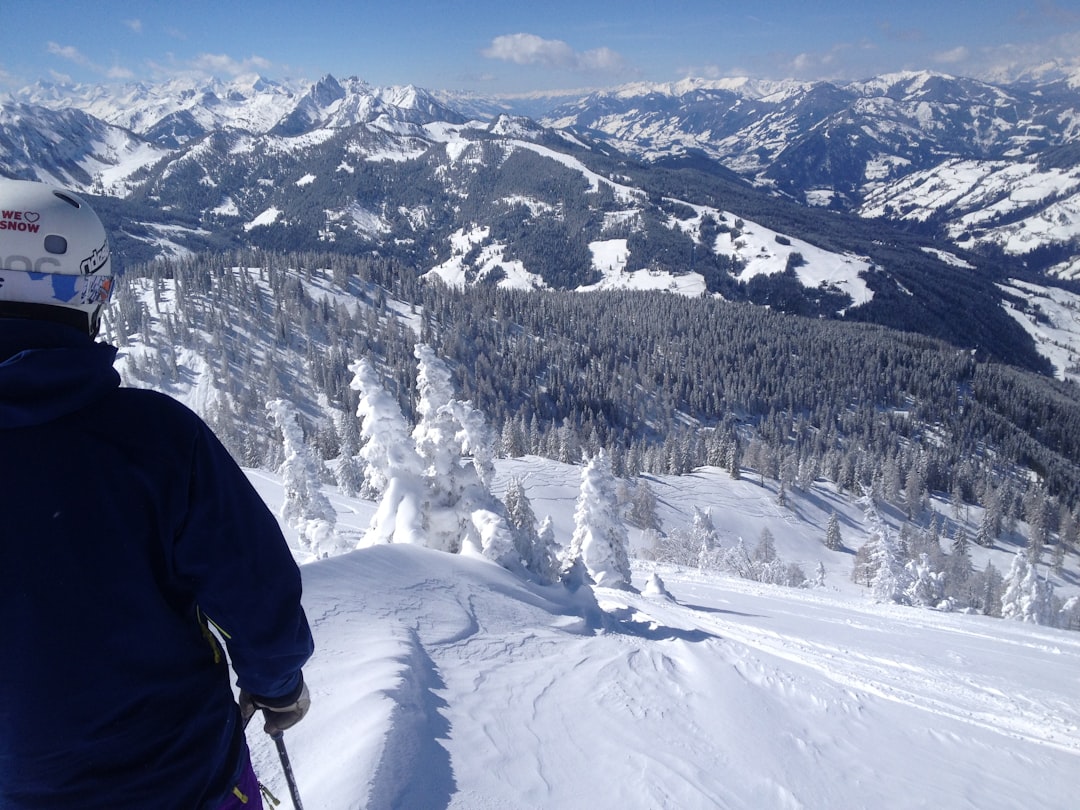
x=286 y=766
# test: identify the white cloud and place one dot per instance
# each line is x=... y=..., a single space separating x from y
x=529 y=49
x=73 y=54
x=829 y=63
x=953 y=56
x=135 y=25
x=1043 y=58
x=69 y=52
x=219 y=64
x=119 y=72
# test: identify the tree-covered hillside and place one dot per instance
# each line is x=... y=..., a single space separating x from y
x=661 y=382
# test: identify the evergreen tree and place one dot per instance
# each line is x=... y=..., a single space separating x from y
x=393 y=467
x=990 y=596
x=984 y=536
x=388 y=451
x=642 y=511
x=958 y=569
x=551 y=550
x=734 y=460
x=535 y=551
x=925 y=586
x=833 y=539
x=915 y=493
x=349 y=467
x=305 y=507
x=1069 y=530
x=890 y=578
x=1057 y=558
x=460 y=510
x=703 y=530
x=1026 y=597
x=765 y=550
x=600 y=540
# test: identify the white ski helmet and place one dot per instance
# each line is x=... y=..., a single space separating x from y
x=54 y=256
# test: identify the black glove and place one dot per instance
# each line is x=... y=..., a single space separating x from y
x=279 y=713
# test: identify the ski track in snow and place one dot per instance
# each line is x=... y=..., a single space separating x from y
x=446 y=682
x=954 y=689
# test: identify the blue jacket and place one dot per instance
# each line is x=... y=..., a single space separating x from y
x=123 y=522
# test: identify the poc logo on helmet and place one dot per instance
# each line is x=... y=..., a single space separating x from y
x=28 y=265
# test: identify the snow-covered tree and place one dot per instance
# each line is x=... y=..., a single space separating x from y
x=600 y=539
x=448 y=432
x=734 y=460
x=643 y=507
x=552 y=551
x=925 y=586
x=990 y=585
x=536 y=552
x=1068 y=617
x=305 y=507
x=833 y=540
x=439 y=446
x=984 y=535
x=889 y=579
x=958 y=568
x=348 y=466
x=393 y=467
x=695 y=545
x=737 y=560
x=1057 y=557
x=430 y=495
x=387 y=450
x=1069 y=530
x=703 y=530
x=915 y=494
x=1026 y=598
x=495 y=538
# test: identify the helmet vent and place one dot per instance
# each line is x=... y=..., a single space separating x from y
x=69 y=200
x=56 y=244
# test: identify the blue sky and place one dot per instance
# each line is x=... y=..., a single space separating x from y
x=509 y=46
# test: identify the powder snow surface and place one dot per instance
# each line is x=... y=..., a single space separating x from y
x=444 y=681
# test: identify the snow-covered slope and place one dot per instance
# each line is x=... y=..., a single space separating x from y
x=443 y=681
x=70 y=148
x=1017 y=206
x=1052 y=317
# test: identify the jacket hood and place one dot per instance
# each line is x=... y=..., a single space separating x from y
x=49 y=370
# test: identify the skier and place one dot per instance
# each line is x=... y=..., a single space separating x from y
x=129 y=540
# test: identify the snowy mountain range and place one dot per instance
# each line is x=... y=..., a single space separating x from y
x=990 y=165
x=735 y=188
x=986 y=165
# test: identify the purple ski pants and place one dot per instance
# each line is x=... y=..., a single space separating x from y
x=246 y=795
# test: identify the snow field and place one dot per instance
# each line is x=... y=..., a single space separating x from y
x=445 y=681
